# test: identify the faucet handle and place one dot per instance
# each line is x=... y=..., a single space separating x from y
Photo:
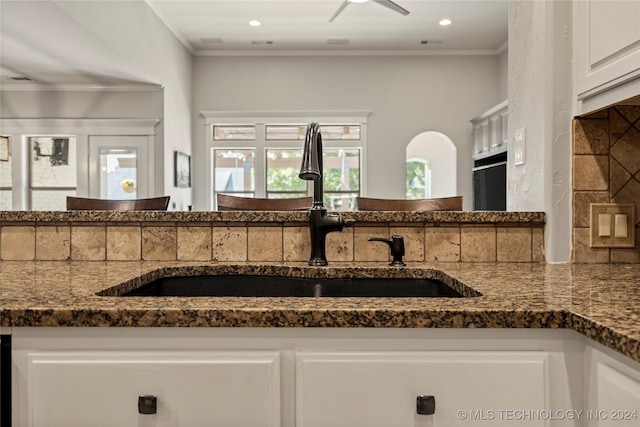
x=396 y=246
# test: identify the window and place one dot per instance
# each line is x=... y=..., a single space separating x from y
x=52 y=172
x=5 y=174
x=261 y=157
x=418 y=179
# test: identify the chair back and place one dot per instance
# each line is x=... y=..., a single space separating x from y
x=438 y=204
x=236 y=203
x=151 y=204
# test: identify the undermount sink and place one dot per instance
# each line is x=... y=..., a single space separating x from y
x=246 y=285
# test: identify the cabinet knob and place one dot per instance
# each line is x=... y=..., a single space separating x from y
x=426 y=405
x=147 y=404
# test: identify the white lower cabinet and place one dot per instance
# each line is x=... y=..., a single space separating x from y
x=612 y=393
x=110 y=388
x=383 y=388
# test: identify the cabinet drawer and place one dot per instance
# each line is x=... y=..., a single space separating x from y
x=381 y=389
x=192 y=389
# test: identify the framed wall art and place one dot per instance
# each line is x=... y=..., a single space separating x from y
x=182 y=169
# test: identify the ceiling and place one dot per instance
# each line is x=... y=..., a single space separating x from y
x=209 y=27
x=58 y=49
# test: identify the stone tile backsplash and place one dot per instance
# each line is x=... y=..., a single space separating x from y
x=270 y=243
x=606 y=169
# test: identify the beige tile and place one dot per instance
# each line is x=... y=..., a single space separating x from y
x=618 y=125
x=194 y=243
x=629 y=112
x=124 y=243
x=591 y=136
x=537 y=244
x=340 y=245
x=88 y=242
x=477 y=244
x=591 y=173
x=363 y=250
x=627 y=151
x=159 y=243
x=513 y=244
x=229 y=243
x=442 y=243
x=630 y=193
x=413 y=241
x=618 y=176
x=627 y=255
x=18 y=243
x=53 y=242
x=581 y=205
x=296 y=243
x=582 y=253
x=264 y=243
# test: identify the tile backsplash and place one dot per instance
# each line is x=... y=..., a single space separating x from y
x=606 y=169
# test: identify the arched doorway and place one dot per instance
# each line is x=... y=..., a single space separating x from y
x=431 y=166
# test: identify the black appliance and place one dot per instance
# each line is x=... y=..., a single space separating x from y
x=490 y=183
x=5 y=380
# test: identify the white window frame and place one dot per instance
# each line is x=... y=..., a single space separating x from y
x=263 y=118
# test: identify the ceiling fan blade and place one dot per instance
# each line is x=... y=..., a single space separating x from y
x=340 y=9
x=393 y=6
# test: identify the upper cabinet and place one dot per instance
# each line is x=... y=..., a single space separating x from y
x=490 y=131
x=607 y=52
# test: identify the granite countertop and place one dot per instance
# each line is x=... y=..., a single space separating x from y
x=601 y=301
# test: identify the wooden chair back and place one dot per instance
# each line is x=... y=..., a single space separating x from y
x=438 y=204
x=151 y=204
x=237 y=203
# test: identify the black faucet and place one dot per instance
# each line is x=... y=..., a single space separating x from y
x=320 y=223
x=396 y=246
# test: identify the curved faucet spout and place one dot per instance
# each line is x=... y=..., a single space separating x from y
x=320 y=223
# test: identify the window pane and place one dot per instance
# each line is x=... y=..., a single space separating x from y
x=53 y=162
x=340 y=201
x=6 y=163
x=340 y=132
x=241 y=133
x=295 y=132
x=50 y=200
x=283 y=167
x=118 y=173
x=234 y=170
x=341 y=169
x=418 y=180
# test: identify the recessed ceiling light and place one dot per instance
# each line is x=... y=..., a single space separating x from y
x=358 y=1
x=445 y=22
x=255 y=23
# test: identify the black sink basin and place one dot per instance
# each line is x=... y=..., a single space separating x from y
x=277 y=286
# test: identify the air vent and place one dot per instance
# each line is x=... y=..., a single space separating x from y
x=261 y=42
x=211 y=40
x=338 y=41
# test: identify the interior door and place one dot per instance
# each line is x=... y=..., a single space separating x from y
x=119 y=167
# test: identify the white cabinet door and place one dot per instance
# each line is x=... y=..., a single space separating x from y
x=608 y=43
x=381 y=388
x=613 y=392
x=495 y=131
x=192 y=389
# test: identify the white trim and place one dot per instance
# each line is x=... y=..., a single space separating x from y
x=479 y=52
x=78 y=126
x=167 y=22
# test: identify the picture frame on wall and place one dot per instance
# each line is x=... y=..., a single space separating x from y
x=4 y=148
x=182 y=170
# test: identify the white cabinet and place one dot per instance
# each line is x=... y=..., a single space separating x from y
x=191 y=389
x=612 y=393
x=490 y=131
x=381 y=388
x=607 y=52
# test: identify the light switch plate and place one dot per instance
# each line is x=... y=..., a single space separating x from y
x=519 y=146
x=613 y=237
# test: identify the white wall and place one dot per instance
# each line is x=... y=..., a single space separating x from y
x=503 y=75
x=540 y=100
x=406 y=96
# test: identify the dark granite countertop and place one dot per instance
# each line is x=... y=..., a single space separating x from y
x=601 y=301
x=476 y=217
